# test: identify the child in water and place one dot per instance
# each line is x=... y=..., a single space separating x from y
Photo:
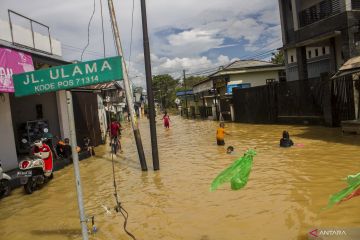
x=166 y=119
x=285 y=141
x=229 y=150
x=220 y=132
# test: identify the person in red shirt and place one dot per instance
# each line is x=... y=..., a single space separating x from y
x=43 y=151
x=166 y=119
x=115 y=133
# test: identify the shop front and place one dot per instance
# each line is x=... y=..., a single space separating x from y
x=11 y=62
x=27 y=117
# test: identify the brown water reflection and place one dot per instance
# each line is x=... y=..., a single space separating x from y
x=283 y=199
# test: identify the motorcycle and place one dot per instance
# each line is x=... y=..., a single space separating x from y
x=33 y=173
x=5 y=188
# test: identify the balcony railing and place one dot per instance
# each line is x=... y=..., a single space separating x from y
x=355 y=4
x=319 y=11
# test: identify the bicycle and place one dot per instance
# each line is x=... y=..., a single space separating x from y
x=115 y=145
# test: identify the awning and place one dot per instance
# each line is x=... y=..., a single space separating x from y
x=183 y=93
x=101 y=87
x=351 y=66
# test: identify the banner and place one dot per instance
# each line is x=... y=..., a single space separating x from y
x=12 y=62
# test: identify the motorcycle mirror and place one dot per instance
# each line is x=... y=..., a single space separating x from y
x=24 y=140
x=46 y=130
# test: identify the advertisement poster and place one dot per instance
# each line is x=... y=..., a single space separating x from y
x=12 y=62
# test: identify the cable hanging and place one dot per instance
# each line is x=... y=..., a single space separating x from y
x=102 y=27
x=88 y=32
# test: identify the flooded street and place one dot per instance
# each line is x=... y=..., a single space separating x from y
x=283 y=199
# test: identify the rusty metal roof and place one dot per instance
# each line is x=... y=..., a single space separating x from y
x=103 y=86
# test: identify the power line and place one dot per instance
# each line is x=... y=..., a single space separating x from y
x=102 y=27
x=131 y=33
x=88 y=31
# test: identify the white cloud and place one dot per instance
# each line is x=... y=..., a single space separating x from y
x=191 y=43
x=271 y=16
x=207 y=25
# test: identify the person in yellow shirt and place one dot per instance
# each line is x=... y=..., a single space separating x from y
x=220 y=132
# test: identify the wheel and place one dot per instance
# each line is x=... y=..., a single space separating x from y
x=5 y=188
x=114 y=148
x=30 y=186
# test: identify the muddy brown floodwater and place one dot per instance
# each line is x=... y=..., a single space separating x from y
x=283 y=199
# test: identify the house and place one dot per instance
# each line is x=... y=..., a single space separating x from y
x=318 y=35
x=25 y=118
x=187 y=105
x=241 y=74
x=204 y=92
x=21 y=50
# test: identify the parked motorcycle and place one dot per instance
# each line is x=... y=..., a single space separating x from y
x=34 y=172
x=5 y=188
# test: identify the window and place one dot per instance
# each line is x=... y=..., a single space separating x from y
x=309 y=54
x=282 y=76
x=357 y=39
x=291 y=59
x=313 y=14
x=323 y=50
x=316 y=52
x=270 y=81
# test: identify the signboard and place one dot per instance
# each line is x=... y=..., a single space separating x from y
x=12 y=62
x=68 y=76
x=230 y=87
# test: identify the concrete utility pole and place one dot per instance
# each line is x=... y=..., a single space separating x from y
x=128 y=91
x=75 y=157
x=186 y=104
x=150 y=93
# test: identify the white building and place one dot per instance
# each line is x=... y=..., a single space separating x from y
x=22 y=117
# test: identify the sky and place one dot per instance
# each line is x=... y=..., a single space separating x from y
x=195 y=35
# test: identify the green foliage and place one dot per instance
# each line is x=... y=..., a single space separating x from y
x=192 y=80
x=278 y=57
x=164 y=87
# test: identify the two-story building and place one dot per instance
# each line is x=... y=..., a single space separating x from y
x=318 y=35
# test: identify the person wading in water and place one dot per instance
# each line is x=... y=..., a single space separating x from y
x=166 y=120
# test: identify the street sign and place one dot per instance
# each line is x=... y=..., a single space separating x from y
x=68 y=76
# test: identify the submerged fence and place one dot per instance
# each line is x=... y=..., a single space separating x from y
x=316 y=100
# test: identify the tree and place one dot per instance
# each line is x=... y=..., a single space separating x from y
x=164 y=87
x=192 y=80
x=278 y=57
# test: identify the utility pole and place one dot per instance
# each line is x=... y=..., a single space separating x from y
x=186 y=105
x=127 y=88
x=75 y=156
x=155 y=154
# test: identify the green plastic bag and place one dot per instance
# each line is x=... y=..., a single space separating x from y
x=353 y=182
x=238 y=172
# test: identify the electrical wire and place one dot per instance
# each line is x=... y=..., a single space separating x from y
x=118 y=207
x=131 y=33
x=102 y=27
x=88 y=32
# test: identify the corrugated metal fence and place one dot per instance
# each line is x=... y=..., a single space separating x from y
x=316 y=100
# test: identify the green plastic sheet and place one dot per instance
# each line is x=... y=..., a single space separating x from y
x=238 y=172
x=353 y=182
